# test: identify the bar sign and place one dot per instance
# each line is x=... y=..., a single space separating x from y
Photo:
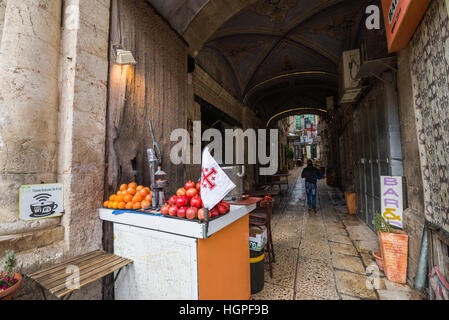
x=392 y=200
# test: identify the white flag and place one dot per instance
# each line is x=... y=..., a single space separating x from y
x=215 y=184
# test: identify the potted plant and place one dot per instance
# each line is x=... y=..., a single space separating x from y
x=10 y=281
x=290 y=156
x=394 y=250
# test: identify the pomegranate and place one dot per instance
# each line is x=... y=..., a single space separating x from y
x=192 y=192
x=186 y=199
x=181 y=192
x=172 y=200
x=221 y=209
x=181 y=202
x=165 y=209
x=182 y=212
x=198 y=186
x=196 y=202
x=189 y=185
x=201 y=214
x=214 y=213
x=192 y=213
x=227 y=205
x=173 y=211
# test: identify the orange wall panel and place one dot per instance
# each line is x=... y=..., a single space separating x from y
x=223 y=263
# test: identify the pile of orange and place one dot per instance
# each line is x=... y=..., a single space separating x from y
x=130 y=196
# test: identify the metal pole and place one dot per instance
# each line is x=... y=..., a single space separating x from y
x=206 y=219
x=421 y=273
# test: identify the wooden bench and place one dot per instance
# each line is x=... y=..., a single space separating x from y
x=92 y=267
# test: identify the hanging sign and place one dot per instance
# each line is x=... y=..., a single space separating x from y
x=41 y=201
x=402 y=17
x=392 y=200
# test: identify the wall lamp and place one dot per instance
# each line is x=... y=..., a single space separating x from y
x=125 y=57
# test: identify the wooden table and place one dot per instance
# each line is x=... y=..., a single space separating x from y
x=262 y=193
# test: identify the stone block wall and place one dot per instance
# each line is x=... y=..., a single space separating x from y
x=414 y=208
x=2 y=16
x=53 y=60
x=429 y=61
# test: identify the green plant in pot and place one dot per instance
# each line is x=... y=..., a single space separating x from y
x=382 y=224
x=10 y=281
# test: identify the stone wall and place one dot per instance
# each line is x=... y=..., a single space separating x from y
x=2 y=16
x=429 y=61
x=414 y=208
x=53 y=61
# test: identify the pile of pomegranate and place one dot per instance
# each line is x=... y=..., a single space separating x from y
x=187 y=204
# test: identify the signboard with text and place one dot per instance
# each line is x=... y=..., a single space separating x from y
x=41 y=201
x=392 y=200
x=402 y=17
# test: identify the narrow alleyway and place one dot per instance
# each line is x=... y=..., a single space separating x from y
x=323 y=256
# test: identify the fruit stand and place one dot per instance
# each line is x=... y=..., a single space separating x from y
x=182 y=259
x=180 y=250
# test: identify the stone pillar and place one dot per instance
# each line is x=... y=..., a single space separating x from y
x=82 y=120
x=29 y=64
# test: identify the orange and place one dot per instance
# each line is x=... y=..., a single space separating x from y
x=132 y=185
x=112 y=198
x=137 y=198
x=132 y=191
x=148 y=189
x=137 y=205
x=143 y=193
x=128 y=198
x=145 y=204
x=106 y=204
x=120 y=198
x=140 y=188
x=148 y=198
x=115 y=205
x=110 y=204
x=129 y=205
x=121 y=205
x=123 y=187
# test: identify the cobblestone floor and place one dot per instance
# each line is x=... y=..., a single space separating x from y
x=323 y=256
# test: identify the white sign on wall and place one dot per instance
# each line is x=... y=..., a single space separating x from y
x=392 y=200
x=41 y=201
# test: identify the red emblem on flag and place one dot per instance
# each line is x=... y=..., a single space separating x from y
x=208 y=178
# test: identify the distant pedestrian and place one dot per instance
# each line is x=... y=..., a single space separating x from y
x=312 y=175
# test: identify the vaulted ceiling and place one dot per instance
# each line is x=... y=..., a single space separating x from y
x=270 y=54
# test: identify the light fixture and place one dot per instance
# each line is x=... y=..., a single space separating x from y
x=125 y=57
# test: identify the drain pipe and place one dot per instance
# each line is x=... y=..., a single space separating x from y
x=421 y=273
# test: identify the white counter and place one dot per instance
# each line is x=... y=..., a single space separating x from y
x=182 y=227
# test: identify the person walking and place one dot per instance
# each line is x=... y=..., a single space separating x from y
x=311 y=174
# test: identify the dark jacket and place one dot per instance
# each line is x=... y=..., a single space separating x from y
x=311 y=174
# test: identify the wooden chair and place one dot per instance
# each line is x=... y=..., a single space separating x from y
x=262 y=217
